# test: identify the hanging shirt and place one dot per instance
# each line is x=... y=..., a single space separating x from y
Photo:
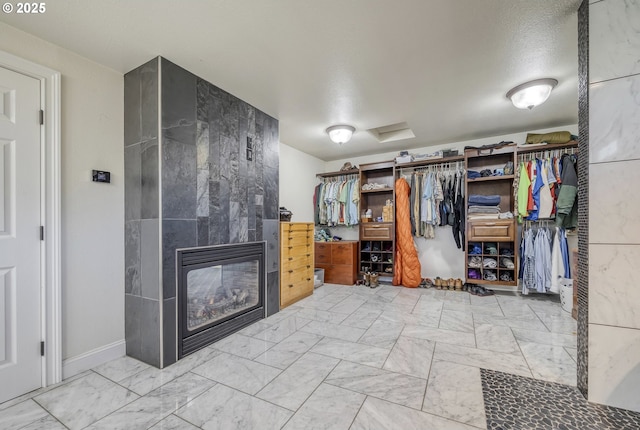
x=546 y=201
x=542 y=261
x=523 y=191
x=557 y=263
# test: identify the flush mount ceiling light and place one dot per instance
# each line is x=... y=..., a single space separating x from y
x=531 y=94
x=340 y=133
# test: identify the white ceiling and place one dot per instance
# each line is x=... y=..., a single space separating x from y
x=443 y=66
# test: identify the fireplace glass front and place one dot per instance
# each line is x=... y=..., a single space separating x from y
x=220 y=290
x=216 y=292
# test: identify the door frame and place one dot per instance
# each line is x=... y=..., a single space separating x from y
x=50 y=198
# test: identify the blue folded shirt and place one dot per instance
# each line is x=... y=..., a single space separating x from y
x=480 y=200
x=472 y=174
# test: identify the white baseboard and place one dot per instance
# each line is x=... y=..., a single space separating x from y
x=93 y=358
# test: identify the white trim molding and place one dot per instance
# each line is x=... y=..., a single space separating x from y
x=93 y=358
x=51 y=286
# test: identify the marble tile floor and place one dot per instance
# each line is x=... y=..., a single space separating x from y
x=347 y=357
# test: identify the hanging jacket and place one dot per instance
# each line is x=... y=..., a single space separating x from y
x=407 y=270
x=567 y=204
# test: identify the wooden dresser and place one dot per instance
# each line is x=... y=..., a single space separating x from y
x=296 y=261
x=339 y=261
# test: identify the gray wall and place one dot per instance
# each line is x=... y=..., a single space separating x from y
x=210 y=193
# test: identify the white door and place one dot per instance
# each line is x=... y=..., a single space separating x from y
x=20 y=290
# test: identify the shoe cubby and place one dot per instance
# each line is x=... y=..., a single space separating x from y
x=376 y=256
x=491 y=263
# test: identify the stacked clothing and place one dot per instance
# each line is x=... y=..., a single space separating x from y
x=485 y=207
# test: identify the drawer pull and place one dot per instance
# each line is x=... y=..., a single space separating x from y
x=308 y=279
x=290 y=238
x=290 y=285
x=308 y=255
x=290 y=247
x=290 y=258
x=290 y=271
x=308 y=266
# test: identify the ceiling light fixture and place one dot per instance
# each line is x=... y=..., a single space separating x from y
x=531 y=94
x=340 y=133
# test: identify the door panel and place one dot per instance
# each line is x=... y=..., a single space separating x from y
x=20 y=217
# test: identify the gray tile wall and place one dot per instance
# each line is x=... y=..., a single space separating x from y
x=583 y=200
x=142 y=234
x=210 y=193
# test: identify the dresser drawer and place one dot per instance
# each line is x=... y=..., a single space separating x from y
x=294 y=251
x=287 y=279
x=342 y=253
x=292 y=292
x=297 y=263
x=376 y=231
x=498 y=230
x=323 y=253
x=339 y=275
x=295 y=234
x=296 y=226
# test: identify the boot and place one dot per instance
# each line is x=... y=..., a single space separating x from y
x=367 y=279
x=374 y=280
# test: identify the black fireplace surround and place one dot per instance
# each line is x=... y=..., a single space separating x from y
x=221 y=289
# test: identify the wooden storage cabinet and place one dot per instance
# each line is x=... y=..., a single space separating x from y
x=376 y=231
x=382 y=234
x=498 y=230
x=339 y=261
x=491 y=242
x=296 y=262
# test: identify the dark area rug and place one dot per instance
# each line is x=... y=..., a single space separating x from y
x=519 y=403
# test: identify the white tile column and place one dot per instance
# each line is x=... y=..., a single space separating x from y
x=614 y=203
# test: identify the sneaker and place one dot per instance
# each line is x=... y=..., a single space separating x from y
x=506 y=252
x=367 y=247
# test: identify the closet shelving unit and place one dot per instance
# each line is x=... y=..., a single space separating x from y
x=377 y=239
x=484 y=235
x=338 y=259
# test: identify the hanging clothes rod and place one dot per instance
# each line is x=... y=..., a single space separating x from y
x=434 y=167
x=547 y=153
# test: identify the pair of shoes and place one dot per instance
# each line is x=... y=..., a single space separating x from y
x=506 y=252
x=438 y=283
x=367 y=247
x=475 y=261
x=388 y=269
x=374 y=280
x=367 y=279
x=507 y=262
x=458 y=284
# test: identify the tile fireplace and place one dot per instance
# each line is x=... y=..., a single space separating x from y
x=220 y=290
